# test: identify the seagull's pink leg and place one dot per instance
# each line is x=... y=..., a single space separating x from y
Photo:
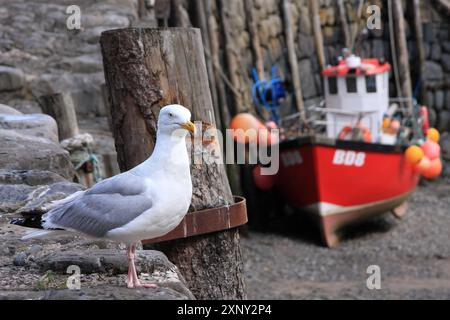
x=133 y=280
x=130 y=258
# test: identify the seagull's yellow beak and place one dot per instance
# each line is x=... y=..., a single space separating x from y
x=189 y=126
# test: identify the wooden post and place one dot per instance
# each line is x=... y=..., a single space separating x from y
x=317 y=30
x=443 y=4
x=293 y=63
x=200 y=11
x=254 y=36
x=146 y=69
x=344 y=23
x=60 y=106
x=180 y=17
x=356 y=26
x=146 y=14
x=230 y=54
x=420 y=50
x=403 y=59
x=215 y=60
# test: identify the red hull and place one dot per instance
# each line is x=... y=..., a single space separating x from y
x=342 y=181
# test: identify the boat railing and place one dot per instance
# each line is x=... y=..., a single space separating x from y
x=316 y=116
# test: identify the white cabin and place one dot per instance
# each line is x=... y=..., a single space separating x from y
x=356 y=88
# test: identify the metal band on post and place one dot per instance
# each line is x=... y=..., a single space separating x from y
x=208 y=221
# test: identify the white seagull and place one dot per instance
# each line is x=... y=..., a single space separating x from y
x=145 y=202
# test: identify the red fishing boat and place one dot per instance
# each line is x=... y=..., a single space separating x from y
x=341 y=182
x=355 y=155
x=356 y=168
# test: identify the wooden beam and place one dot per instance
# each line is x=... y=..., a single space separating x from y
x=344 y=23
x=201 y=17
x=444 y=4
x=317 y=31
x=231 y=56
x=61 y=107
x=254 y=38
x=420 y=50
x=214 y=56
x=403 y=58
x=293 y=63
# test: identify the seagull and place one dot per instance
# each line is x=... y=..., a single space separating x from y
x=145 y=202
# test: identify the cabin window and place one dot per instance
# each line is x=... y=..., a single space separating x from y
x=371 y=84
x=332 y=85
x=351 y=84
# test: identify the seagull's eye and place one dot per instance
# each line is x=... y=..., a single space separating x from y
x=170 y=114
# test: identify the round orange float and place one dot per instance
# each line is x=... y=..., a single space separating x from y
x=247 y=128
x=434 y=169
x=433 y=135
x=431 y=149
x=263 y=182
x=422 y=166
x=414 y=154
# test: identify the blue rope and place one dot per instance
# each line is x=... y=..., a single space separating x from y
x=262 y=89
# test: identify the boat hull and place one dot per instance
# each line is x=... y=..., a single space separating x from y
x=341 y=182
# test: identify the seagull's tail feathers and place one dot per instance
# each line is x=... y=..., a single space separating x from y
x=39 y=234
x=60 y=202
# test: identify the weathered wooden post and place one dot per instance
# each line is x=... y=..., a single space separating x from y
x=60 y=106
x=317 y=31
x=292 y=58
x=146 y=69
x=403 y=59
x=420 y=50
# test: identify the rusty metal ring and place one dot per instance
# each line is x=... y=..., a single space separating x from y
x=208 y=221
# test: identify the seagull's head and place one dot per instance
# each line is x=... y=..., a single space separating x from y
x=175 y=119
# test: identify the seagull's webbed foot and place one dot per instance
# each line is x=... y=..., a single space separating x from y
x=132 y=279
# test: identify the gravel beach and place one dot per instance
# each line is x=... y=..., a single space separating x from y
x=413 y=255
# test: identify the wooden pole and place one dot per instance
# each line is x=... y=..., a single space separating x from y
x=356 y=26
x=317 y=30
x=344 y=23
x=215 y=60
x=180 y=16
x=444 y=4
x=200 y=11
x=254 y=36
x=420 y=50
x=60 y=106
x=146 y=69
x=293 y=63
x=146 y=14
x=230 y=54
x=403 y=59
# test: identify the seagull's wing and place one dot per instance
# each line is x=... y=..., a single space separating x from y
x=110 y=204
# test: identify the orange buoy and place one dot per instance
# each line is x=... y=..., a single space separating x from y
x=247 y=128
x=386 y=123
x=347 y=130
x=263 y=182
x=433 y=134
x=434 y=169
x=414 y=154
x=431 y=149
x=395 y=125
x=422 y=166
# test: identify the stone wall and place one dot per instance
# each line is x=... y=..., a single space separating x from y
x=39 y=55
x=372 y=43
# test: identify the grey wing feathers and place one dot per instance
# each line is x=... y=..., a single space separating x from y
x=110 y=204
